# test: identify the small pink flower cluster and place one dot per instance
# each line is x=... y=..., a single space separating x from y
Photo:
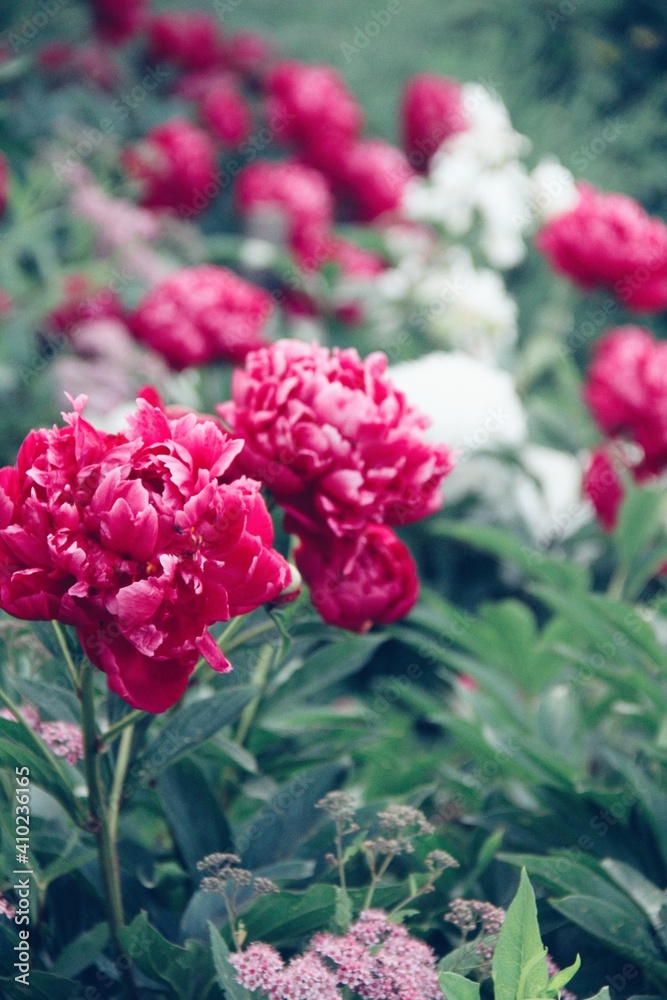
x=65 y=739
x=344 y=453
x=141 y=540
x=608 y=241
x=626 y=391
x=117 y=20
x=6 y=908
x=375 y=960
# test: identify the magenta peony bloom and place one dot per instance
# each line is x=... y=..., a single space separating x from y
x=191 y=40
x=374 y=174
x=603 y=487
x=626 y=392
x=359 y=582
x=608 y=240
x=226 y=113
x=248 y=53
x=338 y=446
x=117 y=20
x=431 y=111
x=202 y=314
x=175 y=163
x=290 y=201
x=133 y=539
x=316 y=111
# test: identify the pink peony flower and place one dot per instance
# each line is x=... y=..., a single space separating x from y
x=175 y=163
x=226 y=113
x=82 y=303
x=117 y=20
x=431 y=111
x=133 y=539
x=191 y=40
x=608 y=240
x=626 y=391
x=603 y=487
x=202 y=314
x=360 y=582
x=290 y=201
x=374 y=174
x=320 y=115
x=334 y=441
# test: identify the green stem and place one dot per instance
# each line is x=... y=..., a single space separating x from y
x=617 y=584
x=375 y=880
x=62 y=642
x=260 y=678
x=122 y=761
x=100 y=821
x=117 y=727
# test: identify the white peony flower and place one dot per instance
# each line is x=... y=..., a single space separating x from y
x=549 y=496
x=553 y=189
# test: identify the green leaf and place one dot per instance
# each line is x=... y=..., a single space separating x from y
x=82 y=951
x=613 y=925
x=646 y=894
x=343 y=912
x=224 y=970
x=457 y=988
x=330 y=665
x=519 y=962
x=562 y=978
x=188 y=728
x=195 y=819
x=19 y=747
x=43 y=986
x=282 y=918
x=638 y=524
x=186 y=970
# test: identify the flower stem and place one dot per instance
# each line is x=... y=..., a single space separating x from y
x=102 y=826
x=117 y=727
x=122 y=761
x=260 y=678
x=62 y=642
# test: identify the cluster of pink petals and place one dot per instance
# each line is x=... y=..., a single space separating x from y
x=135 y=540
x=375 y=960
x=322 y=118
x=191 y=40
x=82 y=303
x=117 y=20
x=6 y=908
x=176 y=166
x=608 y=240
x=344 y=453
x=202 y=314
x=291 y=196
x=431 y=111
x=626 y=391
x=226 y=113
x=65 y=739
x=373 y=174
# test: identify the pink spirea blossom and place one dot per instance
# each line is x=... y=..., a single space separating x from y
x=191 y=40
x=374 y=174
x=431 y=111
x=319 y=114
x=293 y=199
x=337 y=445
x=134 y=539
x=608 y=240
x=202 y=314
x=626 y=391
x=65 y=739
x=117 y=20
x=226 y=113
x=175 y=164
x=358 y=582
x=375 y=960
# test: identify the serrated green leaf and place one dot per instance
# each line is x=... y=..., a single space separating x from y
x=519 y=961
x=285 y=917
x=82 y=951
